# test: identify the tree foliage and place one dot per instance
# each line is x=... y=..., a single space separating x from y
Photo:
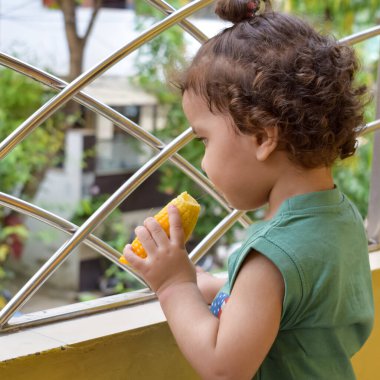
x=338 y=16
x=19 y=98
x=19 y=171
x=22 y=171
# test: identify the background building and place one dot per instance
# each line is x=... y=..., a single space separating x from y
x=99 y=158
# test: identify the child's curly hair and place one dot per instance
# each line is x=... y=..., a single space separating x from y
x=274 y=69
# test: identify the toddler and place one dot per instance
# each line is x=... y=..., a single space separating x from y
x=276 y=105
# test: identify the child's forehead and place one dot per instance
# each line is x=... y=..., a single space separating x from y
x=191 y=98
x=194 y=105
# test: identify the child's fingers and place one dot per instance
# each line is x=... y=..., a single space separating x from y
x=134 y=261
x=158 y=234
x=177 y=235
x=146 y=239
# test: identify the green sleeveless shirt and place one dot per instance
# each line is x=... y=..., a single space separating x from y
x=318 y=242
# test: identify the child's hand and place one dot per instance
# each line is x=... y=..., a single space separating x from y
x=167 y=263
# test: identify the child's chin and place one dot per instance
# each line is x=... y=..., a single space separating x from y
x=241 y=206
x=238 y=206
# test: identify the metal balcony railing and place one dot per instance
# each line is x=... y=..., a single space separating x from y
x=79 y=234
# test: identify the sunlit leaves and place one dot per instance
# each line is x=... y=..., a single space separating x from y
x=19 y=98
x=339 y=16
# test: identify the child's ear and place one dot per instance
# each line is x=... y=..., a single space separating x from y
x=267 y=143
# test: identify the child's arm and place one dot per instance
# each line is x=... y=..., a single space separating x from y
x=208 y=284
x=232 y=347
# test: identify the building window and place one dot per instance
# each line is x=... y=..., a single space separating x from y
x=130 y=111
x=122 y=152
x=118 y=4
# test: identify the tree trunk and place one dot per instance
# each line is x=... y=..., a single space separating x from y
x=76 y=49
x=74 y=41
x=76 y=45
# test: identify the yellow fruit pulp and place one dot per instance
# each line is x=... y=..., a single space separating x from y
x=189 y=210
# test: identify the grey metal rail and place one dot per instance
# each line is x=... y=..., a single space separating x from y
x=91 y=223
x=201 y=249
x=69 y=228
x=87 y=77
x=371 y=127
x=111 y=302
x=122 y=122
x=27 y=290
x=186 y=25
x=361 y=36
x=83 y=233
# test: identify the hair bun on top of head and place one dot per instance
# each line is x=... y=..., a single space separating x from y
x=238 y=10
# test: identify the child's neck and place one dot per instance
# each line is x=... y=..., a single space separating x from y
x=295 y=181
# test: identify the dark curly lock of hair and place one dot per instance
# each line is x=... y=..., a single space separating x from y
x=274 y=69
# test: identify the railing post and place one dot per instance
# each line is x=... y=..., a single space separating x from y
x=373 y=227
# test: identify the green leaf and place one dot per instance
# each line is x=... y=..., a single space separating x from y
x=4 y=251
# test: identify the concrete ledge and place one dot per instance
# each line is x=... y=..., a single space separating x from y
x=130 y=343
x=374 y=260
x=54 y=335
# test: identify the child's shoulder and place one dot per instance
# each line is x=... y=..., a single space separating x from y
x=311 y=236
x=308 y=215
x=312 y=227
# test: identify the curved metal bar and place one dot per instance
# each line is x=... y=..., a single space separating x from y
x=79 y=309
x=68 y=92
x=201 y=249
x=163 y=6
x=231 y=218
x=86 y=100
x=123 y=123
x=371 y=127
x=113 y=302
x=361 y=36
x=61 y=224
x=91 y=223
